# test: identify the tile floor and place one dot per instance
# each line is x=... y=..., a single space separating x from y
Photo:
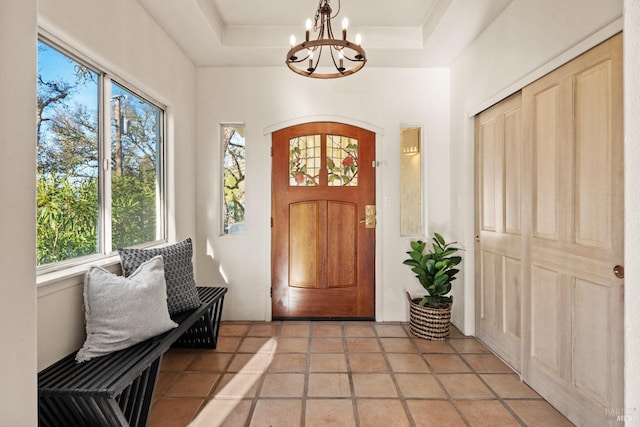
x=363 y=374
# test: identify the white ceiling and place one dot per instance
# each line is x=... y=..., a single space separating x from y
x=395 y=33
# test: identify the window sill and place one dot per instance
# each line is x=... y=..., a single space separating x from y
x=55 y=281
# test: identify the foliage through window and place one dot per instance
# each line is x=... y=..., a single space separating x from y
x=84 y=207
x=233 y=155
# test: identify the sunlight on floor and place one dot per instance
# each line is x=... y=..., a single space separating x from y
x=222 y=406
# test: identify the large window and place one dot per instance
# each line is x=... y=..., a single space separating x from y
x=100 y=161
x=233 y=150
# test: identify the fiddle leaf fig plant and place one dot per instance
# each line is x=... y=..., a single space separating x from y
x=434 y=269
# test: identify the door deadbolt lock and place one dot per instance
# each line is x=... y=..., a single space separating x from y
x=369 y=220
x=618 y=270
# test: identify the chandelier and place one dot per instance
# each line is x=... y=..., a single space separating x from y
x=347 y=57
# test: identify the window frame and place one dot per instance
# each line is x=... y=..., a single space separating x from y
x=222 y=126
x=105 y=80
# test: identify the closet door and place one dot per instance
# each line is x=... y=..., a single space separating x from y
x=498 y=229
x=573 y=226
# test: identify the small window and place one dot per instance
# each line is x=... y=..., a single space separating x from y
x=87 y=205
x=233 y=158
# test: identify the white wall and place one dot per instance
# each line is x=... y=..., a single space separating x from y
x=632 y=208
x=527 y=40
x=124 y=40
x=18 y=396
x=263 y=98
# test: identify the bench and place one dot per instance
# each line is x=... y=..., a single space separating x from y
x=117 y=389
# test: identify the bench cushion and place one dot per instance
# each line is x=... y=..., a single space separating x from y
x=120 y=312
x=178 y=266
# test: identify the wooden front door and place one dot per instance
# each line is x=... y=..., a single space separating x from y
x=323 y=250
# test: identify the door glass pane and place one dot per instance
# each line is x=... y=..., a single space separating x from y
x=67 y=160
x=342 y=161
x=135 y=164
x=304 y=161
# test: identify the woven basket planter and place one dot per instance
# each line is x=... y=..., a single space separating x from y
x=427 y=322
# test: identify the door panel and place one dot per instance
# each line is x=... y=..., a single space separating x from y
x=573 y=343
x=323 y=263
x=498 y=274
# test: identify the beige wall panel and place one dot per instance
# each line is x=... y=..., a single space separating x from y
x=488 y=288
x=593 y=154
x=512 y=183
x=546 y=163
x=488 y=147
x=590 y=339
x=512 y=296
x=545 y=322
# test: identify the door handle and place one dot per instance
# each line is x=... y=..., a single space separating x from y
x=618 y=270
x=369 y=220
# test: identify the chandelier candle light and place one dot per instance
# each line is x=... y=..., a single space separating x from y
x=342 y=51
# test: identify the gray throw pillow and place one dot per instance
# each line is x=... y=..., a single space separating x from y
x=121 y=312
x=182 y=294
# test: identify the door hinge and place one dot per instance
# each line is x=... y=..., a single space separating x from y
x=375 y=164
x=271 y=292
x=272 y=222
x=271 y=150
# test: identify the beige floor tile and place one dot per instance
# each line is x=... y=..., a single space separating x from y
x=382 y=413
x=374 y=385
x=196 y=384
x=228 y=344
x=174 y=412
x=428 y=346
x=398 y=345
x=357 y=330
x=509 y=386
x=234 y=329
x=257 y=345
x=447 y=363
x=422 y=386
x=363 y=345
x=468 y=345
x=292 y=345
x=465 y=386
x=223 y=413
x=401 y=362
x=264 y=329
x=538 y=413
x=277 y=412
x=248 y=362
x=211 y=362
x=486 y=363
x=486 y=413
x=434 y=413
x=455 y=333
x=363 y=374
x=283 y=385
x=165 y=381
x=367 y=362
x=390 y=330
x=237 y=386
x=330 y=412
x=295 y=329
x=177 y=360
x=327 y=329
x=327 y=345
x=329 y=385
x=296 y=362
x=328 y=362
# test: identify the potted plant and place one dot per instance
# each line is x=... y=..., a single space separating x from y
x=430 y=315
